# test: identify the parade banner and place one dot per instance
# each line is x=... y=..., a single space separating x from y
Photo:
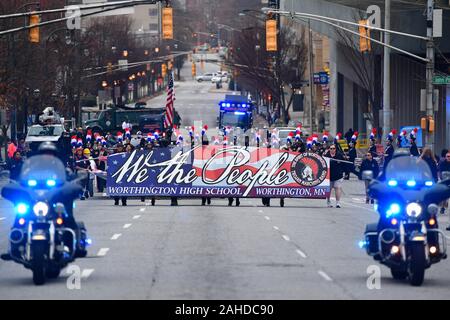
x=218 y=172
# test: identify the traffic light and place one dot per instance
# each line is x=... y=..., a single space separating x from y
x=34 y=32
x=364 y=43
x=194 y=69
x=271 y=35
x=167 y=23
x=163 y=70
x=428 y=124
x=109 y=68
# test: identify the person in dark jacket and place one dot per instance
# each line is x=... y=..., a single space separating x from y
x=15 y=166
x=351 y=155
x=120 y=149
x=369 y=164
x=348 y=135
x=413 y=149
x=389 y=150
x=336 y=174
x=428 y=157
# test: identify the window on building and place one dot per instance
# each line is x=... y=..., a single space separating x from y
x=152 y=12
x=153 y=27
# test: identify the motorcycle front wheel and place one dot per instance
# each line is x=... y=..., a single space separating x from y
x=38 y=266
x=417 y=264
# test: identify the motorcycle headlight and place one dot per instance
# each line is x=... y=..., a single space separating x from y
x=40 y=209
x=413 y=210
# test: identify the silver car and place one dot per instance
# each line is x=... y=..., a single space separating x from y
x=205 y=77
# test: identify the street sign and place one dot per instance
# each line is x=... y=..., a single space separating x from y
x=441 y=80
x=321 y=78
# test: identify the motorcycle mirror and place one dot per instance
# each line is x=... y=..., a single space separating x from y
x=433 y=209
x=5 y=174
x=59 y=208
x=367 y=175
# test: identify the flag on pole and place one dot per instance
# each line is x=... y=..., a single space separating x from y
x=168 y=121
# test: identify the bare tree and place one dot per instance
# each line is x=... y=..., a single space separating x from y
x=267 y=72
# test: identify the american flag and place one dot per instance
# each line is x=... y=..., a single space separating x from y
x=168 y=121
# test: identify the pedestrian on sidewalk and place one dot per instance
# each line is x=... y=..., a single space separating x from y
x=336 y=174
x=369 y=164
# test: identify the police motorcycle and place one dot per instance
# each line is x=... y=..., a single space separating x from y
x=407 y=238
x=44 y=237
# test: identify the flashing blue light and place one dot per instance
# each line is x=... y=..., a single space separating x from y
x=394 y=209
x=362 y=244
x=429 y=183
x=22 y=208
x=88 y=242
x=228 y=105
x=393 y=183
x=32 y=183
x=238 y=113
x=51 y=183
x=411 y=183
x=244 y=105
x=224 y=105
x=239 y=105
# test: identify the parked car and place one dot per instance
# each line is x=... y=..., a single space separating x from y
x=205 y=77
x=221 y=76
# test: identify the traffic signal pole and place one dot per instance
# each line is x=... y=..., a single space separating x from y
x=387 y=71
x=429 y=135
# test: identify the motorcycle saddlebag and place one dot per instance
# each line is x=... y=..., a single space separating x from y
x=371 y=237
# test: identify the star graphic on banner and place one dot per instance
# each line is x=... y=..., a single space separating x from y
x=160 y=169
x=115 y=162
x=154 y=161
x=153 y=171
x=124 y=155
x=162 y=154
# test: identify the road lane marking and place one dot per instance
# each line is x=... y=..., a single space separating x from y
x=285 y=237
x=276 y=228
x=142 y=209
x=267 y=218
x=102 y=252
x=126 y=226
x=136 y=217
x=86 y=273
x=116 y=236
x=324 y=275
x=301 y=253
x=260 y=211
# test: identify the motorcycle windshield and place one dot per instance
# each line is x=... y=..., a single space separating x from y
x=407 y=169
x=45 y=170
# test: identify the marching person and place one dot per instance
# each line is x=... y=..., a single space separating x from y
x=81 y=164
x=15 y=166
x=369 y=164
x=373 y=143
x=389 y=150
x=444 y=173
x=120 y=149
x=351 y=155
x=413 y=149
x=336 y=174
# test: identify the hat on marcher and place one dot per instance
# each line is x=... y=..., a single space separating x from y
x=73 y=141
x=120 y=136
x=413 y=134
x=89 y=135
x=205 y=128
x=373 y=134
x=355 y=136
x=325 y=136
x=87 y=151
x=391 y=135
x=338 y=137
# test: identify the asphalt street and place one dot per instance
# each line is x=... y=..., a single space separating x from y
x=302 y=251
